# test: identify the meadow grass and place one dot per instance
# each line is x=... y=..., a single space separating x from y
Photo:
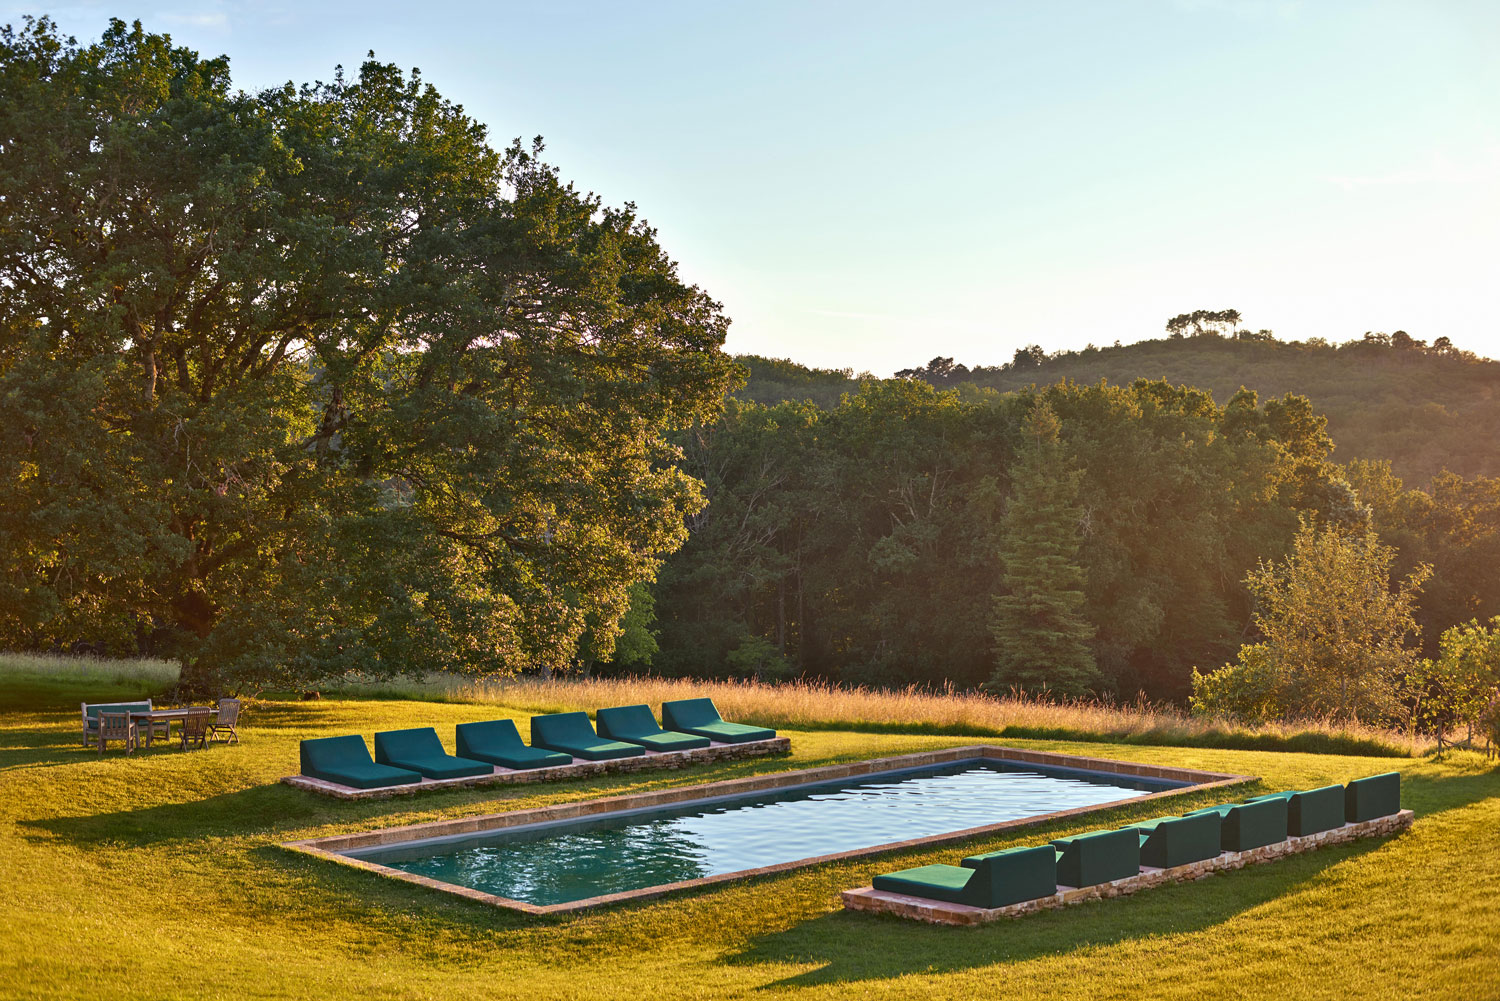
x=812 y=705
x=161 y=870
x=804 y=704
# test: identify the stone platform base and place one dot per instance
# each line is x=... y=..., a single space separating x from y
x=651 y=760
x=939 y=912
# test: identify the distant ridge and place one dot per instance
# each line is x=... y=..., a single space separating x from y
x=1423 y=409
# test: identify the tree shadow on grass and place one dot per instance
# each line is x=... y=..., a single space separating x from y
x=848 y=946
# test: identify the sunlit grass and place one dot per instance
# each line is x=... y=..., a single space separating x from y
x=161 y=869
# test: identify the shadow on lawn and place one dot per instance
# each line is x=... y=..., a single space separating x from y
x=850 y=946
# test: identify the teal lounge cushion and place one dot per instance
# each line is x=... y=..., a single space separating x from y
x=1098 y=857
x=346 y=760
x=572 y=734
x=701 y=718
x=1311 y=811
x=1243 y=826
x=1173 y=841
x=420 y=750
x=499 y=742
x=636 y=725
x=994 y=879
x=932 y=882
x=1375 y=796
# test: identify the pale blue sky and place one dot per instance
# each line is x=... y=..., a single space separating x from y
x=868 y=185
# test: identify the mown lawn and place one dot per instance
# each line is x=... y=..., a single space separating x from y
x=158 y=875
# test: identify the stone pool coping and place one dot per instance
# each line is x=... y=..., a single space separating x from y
x=580 y=768
x=938 y=912
x=331 y=848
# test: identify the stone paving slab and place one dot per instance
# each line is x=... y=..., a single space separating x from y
x=903 y=905
x=501 y=775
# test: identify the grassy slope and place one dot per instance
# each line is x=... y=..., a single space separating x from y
x=142 y=869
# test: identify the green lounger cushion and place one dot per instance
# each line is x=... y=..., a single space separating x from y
x=346 y=760
x=420 y=750
x=1173 y=841
x=636 y=725
x=992 y=880
x=499 y=742
x=1375 y=796
x=1243 y=826
x=572 y=734
x=700 y=717
x=1098 y=857
x=1311 y=811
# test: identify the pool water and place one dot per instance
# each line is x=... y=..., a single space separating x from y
x=563 y=861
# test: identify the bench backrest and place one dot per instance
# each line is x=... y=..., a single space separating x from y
x=91 y=710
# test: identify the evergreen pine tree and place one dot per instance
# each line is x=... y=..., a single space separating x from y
x=1041 y=634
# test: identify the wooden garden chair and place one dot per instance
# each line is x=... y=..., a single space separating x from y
x=229 y=716
x=195 y=728
x=118 y=726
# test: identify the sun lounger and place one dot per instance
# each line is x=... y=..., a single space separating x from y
x=636 y=725
x=420 y=750
x=347 y=761
x=1173 y=841
x=572 y=734
x=499 y=742
x=699 y=717
x=1375 y=796
x=1243 y=826
x=992 y=880
x=1310 y=812
x=1097 y=857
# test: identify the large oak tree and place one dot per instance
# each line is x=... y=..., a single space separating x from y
x=314 y=379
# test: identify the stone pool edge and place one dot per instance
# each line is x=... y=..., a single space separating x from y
x=330 y=848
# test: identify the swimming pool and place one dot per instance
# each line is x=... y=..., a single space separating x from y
x=563 y=861
x=584 y=853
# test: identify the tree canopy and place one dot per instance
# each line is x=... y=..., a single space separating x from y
x=314 y=379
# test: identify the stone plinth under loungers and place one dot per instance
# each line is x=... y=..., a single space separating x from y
x=651 y=760
x=938 y=912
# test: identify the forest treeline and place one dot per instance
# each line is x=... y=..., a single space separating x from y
x=862 y=542
x=315 y=380
x=1424 y=408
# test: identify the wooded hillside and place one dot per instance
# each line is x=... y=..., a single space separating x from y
x=1424 y=410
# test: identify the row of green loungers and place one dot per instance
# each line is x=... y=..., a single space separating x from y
x=1016 y=875
x=404 y=757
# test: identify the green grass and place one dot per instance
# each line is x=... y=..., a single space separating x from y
x=161 y=871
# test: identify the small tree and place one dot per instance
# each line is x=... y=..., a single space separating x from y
x=1335 y=631
x=1463 y=682
x=1041 y=634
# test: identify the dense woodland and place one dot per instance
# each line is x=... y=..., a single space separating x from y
x=864 y=541
x=1423 y=408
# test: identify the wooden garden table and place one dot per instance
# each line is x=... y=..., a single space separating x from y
x=168 y=715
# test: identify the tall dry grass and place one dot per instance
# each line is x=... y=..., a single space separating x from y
x=85 y=668
x=810 y=705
